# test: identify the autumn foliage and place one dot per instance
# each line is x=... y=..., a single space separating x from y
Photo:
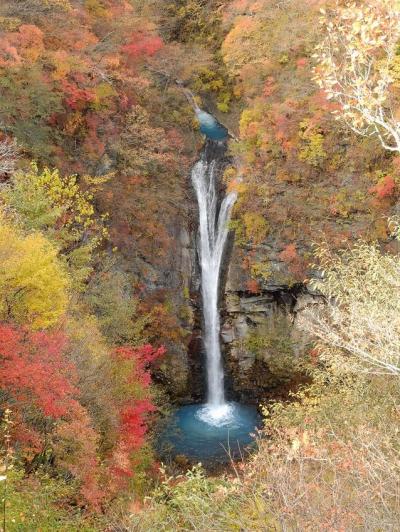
x=28 y=360
x=142 y=45
x=41 y=387
x=131 y=378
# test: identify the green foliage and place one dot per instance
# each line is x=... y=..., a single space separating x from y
x=9 y=23
x=95 y=8
x=261 y=270
x=198 y=502
x=333 y=442
x=109 y=296
x=277 y=349
x=40 y=502
x=28 y=102
x=190 y=20
x=205 y=80
x=45 y=199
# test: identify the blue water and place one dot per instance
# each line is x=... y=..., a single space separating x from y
x=210 y=127
x=199 y=436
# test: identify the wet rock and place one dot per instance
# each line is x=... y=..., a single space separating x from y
x=228 y=332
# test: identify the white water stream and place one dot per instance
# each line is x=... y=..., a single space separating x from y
x=213 y=224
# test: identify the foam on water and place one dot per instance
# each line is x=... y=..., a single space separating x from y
x=216 y=415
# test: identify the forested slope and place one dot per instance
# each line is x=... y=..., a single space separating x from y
x=97 y=303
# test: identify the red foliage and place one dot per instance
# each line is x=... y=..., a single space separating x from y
x=284 y=123
x=296 y=263
x=8 y=53
x=94 y=147
x=76 y=98
x=37 y=383
x=142 y=356
x=314 y=356
x=269 y=87
x=33 y=371
x=75 y=448
x=133 y=411
x=385 y=188
x=143 y=45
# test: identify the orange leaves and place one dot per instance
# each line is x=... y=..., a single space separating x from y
x=253 y=286
x=75 y=448
x=30 y=40
x=385 y=188
x=74 y=123
x=289 y=253
x=296 y=264
x=302 y=62
x=26 y=44
x=236 y=185
x=8 y=53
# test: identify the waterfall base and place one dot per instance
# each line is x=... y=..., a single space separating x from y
x=220 y=415
x=211 y=434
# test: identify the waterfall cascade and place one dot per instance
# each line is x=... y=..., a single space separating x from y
x=218 y=430
x=213 y=229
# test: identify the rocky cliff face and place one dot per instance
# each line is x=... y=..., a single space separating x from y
x=259 y=335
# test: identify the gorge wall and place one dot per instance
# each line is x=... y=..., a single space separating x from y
x=259 y=336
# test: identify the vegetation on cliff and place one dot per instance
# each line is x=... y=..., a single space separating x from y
x=96 y=139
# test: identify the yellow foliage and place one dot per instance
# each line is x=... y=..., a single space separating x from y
x=33 y=284
x=256 y=227
x=63 y=64
x=261 y=269
x=62 y=5
x=313 y=151
x=96 y=8
x=357 y=66
x=46 y=198
x=245 y=43
x=9 y=23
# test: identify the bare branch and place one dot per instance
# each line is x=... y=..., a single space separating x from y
x=355 y=67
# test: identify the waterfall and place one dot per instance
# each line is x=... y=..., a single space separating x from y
x=213 y=229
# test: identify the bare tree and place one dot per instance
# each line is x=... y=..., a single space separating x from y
x=356 y=66
x=359 y=326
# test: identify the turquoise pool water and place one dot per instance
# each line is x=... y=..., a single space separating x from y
x=206 y=435
x=210 y=127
